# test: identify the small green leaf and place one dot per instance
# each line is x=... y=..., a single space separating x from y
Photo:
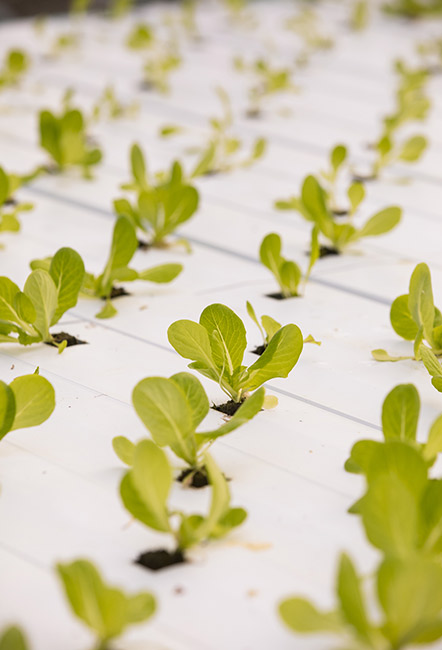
x=41 y=290
x=382 y=222
x=356 y=194
x=351 y=599
x=13 y=639
x=124 y=449
x=303 y=617
x=108 y=311
x=413 y=148
x=420 y=299
x=402 y=320
x=400 y=413
x=229 y=345
x=34 y=400
x=338 y=156
x=67 y=272
x=278 y=359
x=7 y=409
x=161 y=274
x=145 y=488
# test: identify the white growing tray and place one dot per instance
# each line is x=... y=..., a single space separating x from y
x=59 y=498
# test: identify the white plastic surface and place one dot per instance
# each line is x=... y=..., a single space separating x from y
x=59 y=497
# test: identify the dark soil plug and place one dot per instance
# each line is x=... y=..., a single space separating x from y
x=117 y=292
x=360 y=178
x=194 y=478
x=325 y=251
x=10 y=202
x=259 y=350
x=340 y=213
x=59 y=337
x=157 y=560
x=279 y=296
x=144 y=245
x=228 y=408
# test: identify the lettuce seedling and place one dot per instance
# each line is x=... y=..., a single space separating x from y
x=414 y=317
x=314 y=206
x=305 y=24
x=162 y=205
x=123 y=247
x=15 y=64
x=145 y=491
x=26 y=402
x=268 y=328
x=414 y=8
x=158 y=69
x=9 y=208
x=27 y=316
x=110 y=107
x=400 y=416
x=407 y=595
x=172 y=410
x=412 y=104
x=220 y=155
x=401 y=510
x=64 y=138
x=287 y=273
x=216 y=346
x=270 y=81
x=13 y=639
x=105 y=610
x=141 y=37
x=433 y=366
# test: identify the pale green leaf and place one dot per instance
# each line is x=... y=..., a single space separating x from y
x=34 y=400
x=41 y=290
x=7 y=409
x=67 y=272
x=124 y=449
x=402 y=319
x=278 y=359
x=400 y=413
x=382 y=222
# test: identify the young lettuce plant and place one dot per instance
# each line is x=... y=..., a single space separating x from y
x=216 y=347
x=161 y=205
x=287 y=273
x=412 y=104
x=16 y=63
x=27 y=316
x=64 y=137
x=9 y=208
x=400 y=417
x=220 y=155
x=305 y=24
x=414 y=317
x=413 y=8
x=141 y=37
x=105 y=610
x=158 y=68
x=12 y=638
x=407 y=594
x=145 y=494
x=270 y=81
x=172 y=410
x=26 y=402
x=314 y=206
x=110 y=107
x=123 y=248
x=268 y=328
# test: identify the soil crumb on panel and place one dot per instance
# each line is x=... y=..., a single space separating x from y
x=59 y=337
x=160 y=559
x=228 y=408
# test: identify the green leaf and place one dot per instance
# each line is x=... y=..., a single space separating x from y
x=124 y=245
x=227 y=336
x=41 y=290
x=420 y=299
x=220 y=502
x=105 y=610
x=356 y=194
x=206 y=162
x=253 y=316
x=400 y=413
x=7 y=409
x=191 y=341
x=361 y=456
x=413 y=148
x=382 y=222
x=433 y=447
x=270 y=253
x=290 y=275
x=4 y=186
x=351 y=599
x=410 y=593
x=161 y=274
x=108 y=311
x=67 y=271
x=271 y=326
x=303 y=617
x=278 y=359
x=145 y=488
x=13 y=639
x=397 y=477
x=313 y=198
x=195 y=395
x=382 y=355
x=402 y=320
x=164 y=410
x=124 y=449
x=338 y=156
x=246 y=412
x=34 y=400
x=24 y=308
